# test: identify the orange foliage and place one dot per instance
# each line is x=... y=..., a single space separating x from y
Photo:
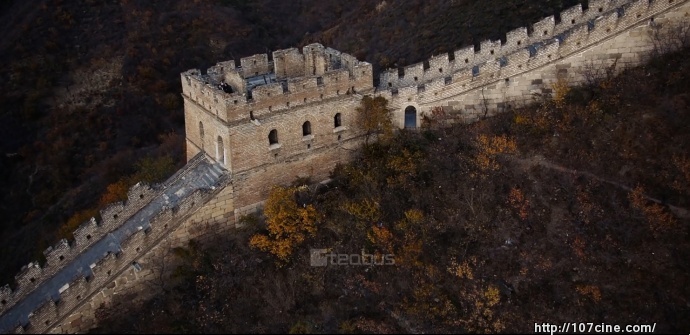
x=288 y=224
x=367 y=210
x=659 y=219
x=590 y=291
x=75 y=221
x=115 y=192
x=579 y=247
x=481 y=316
x=374 y=118
x=519 y=203
x=437 y=118
x=561 y=88
x=410 y=246
x=463 y=270
x=381 y=237
x=491 y=146
x=404 y=167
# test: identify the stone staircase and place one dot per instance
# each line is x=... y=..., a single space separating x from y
x=174 y=199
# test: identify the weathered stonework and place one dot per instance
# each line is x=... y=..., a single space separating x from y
x=482 y=83
x=230 y=112
x=308 y=101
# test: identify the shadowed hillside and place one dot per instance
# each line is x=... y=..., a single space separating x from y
x=576 y=208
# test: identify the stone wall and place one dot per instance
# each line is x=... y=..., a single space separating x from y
x=203 y=131
x=140 y=275
x=334 y=74
x=467 y=83
x=444 y=65
x=252 y=187
x=607 y=32
x=87 y=284
x=73 y=310
x=62 y=253
x=255 y=65
x=249 y=141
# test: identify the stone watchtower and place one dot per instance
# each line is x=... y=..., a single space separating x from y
x=273 y=119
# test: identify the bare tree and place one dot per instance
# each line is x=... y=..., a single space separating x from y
x=161 y=263
x=594 y=73
x=668 y=37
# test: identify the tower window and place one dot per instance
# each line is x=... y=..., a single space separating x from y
x=306 y=128
x=337 y=121
x=221 y=151
x=273 y=137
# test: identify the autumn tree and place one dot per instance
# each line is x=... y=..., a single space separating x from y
x=75 y=221
x=374 y=118
x=435 y=119
x=288 y=224
x=115 y=192
x=659 y=219
x=561 y=88
x=490 y=147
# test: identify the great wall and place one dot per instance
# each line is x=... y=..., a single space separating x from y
x=291 y=115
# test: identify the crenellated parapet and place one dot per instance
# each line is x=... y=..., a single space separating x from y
x=291 y=78
x=64 y=251
x=57 y=298
x=220 y=103
x=575 y=46
x=576 y=29
x=104 y=270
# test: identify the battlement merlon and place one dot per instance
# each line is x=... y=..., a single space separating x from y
x=316 y=74
x=255 y=65
x=613 y=12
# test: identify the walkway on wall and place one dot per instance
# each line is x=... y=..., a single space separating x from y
x=205 y=175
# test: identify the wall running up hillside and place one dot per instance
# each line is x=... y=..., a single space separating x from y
x=117 y=254
x=75 y=272
x=470 y=84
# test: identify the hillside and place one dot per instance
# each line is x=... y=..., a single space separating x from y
x=90 y=88
x=573 y=209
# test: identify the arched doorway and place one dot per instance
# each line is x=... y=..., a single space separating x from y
x=410 y=117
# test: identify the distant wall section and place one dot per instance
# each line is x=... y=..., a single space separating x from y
x=608 y=32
